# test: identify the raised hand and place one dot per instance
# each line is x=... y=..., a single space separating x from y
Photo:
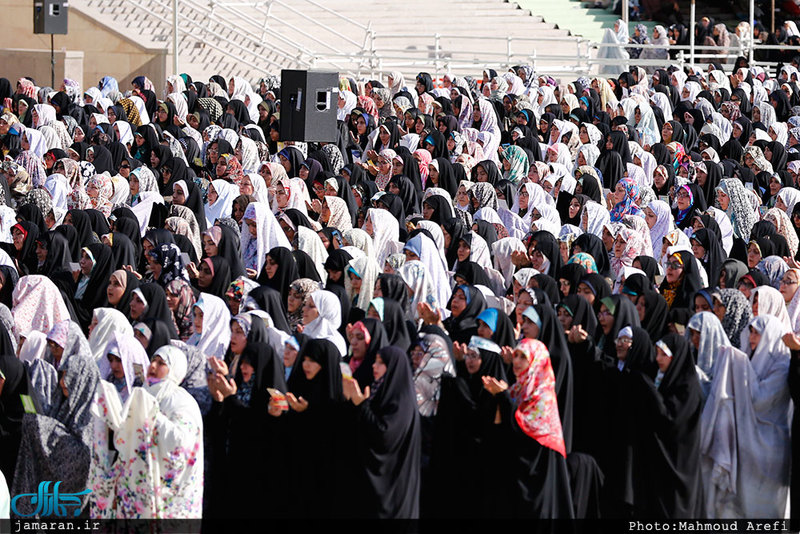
x=494 y=386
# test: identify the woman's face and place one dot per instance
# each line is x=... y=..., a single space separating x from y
x=674 y=269
x=701 y=304
x=270 y=267
x=204 y=277
x=660 y=178
x=433 y=174
x=209 y=247
x=701 y=176
x=666 y=133
x=178 y=196
x=289 y=356
x=213 y=153
x=585 y=292
x=662 y=360
x=619 y=246
x=221 y=168
x=519 y=362
x=358 y=344
x=238 y=213
x=650 y=217
x=605 y=319
x=458 y=303
x=427 y=211
x=619 y=193
x=310 y=311
x=137 y=306
x=197 y=319
x=564 y=318
x=114 y=291
x=774 y=186
x=41 y=252
x=698 y=250
x=608 y=239
x=524 y=301
x=310 y=368
x=753 y=255
x=378 y=368
x=683 y=199
x=788 y=286
x=361 y=126
x=463 y=251
x=641 y=308
x=723 y=200
x=286 y=163
x=293 y=301
x=524 y=199
x=86 y=264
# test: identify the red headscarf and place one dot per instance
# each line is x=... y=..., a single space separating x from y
x=535 y=395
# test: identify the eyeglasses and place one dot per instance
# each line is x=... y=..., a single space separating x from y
x=624 y=341
x=417 y=353
x=676 y=265
x=472 y=355
x=683 y=194
x=213 y=151
x=124 y=166
x=604 y=313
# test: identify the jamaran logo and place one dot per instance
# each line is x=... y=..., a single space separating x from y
x=50 y=503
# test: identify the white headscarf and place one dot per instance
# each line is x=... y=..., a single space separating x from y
x=269 y=234
x=216 y=334
x=309 y=242
x=385 y=234
x=330 y=319
x=109 y=322
x=223 y=206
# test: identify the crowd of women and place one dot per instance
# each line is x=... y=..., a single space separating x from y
x=713 y=37
x=497 y=297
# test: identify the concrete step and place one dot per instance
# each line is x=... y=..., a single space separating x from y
x=292 y=34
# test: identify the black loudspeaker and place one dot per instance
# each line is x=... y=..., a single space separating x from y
x=50 y=16
x=309 y=100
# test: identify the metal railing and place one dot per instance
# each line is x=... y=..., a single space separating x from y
x=258 y=43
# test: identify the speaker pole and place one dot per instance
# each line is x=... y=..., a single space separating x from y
x=52 y=63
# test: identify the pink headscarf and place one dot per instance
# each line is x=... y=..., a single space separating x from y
x=424 y=161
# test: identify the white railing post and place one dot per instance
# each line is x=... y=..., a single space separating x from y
x=508 y=52
x=752 y=21
x=175 y=37
x=692 y=23
x=436 y=46
x=266 y=22
x=372 y=52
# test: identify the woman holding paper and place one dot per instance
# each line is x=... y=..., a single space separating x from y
x=389 y=438
x=318 y=446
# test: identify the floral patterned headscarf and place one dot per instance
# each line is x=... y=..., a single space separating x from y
x=584 y=259
x=183 y=313
x=534 y=394
x=519 y=164
x=628 y=205
x=168 y=255
x=105 y=189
